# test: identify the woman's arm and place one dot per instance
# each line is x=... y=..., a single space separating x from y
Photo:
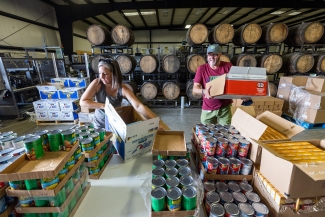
x=86 y=98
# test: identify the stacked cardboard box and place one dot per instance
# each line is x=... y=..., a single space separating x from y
x=268 y=103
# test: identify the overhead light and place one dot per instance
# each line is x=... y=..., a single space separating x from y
x=165 y=13
x=187 y=26
x=198 y=11
x=294 y=13
x=130 y=14
x=228 y=10
x=278 y=12
x=232 y=25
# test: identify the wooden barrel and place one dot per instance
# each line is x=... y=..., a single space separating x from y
x=272 y=62
x=122 y=35
x=132 y=85
x=273 y=89
x=98 y=35
x=247 y=34
x=171 y=63
x=171 y=90
x=94 y=61
x=149 y=90
x=244 y=60
x=194 y=61
x=149 y=63
x=189 y=91
x=319 y=63
x=274 y=33
x=297 y=62
x=224 y=58
x=126 y=62
x=196 y=34
x=305 y=33
x=321 y=40
x=221 y=34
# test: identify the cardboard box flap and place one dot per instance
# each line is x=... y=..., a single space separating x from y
x=241 y=120
x=280 y=124
x=240 y=72
x=217 y=85
x=248 y=109
x=314 y=171
x=169 y=143
x=265 y=146
x=114 y=117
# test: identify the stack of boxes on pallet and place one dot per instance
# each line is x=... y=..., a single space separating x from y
x=59 y=99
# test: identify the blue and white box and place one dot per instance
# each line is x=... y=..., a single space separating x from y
x=69 y=105
x=40 y=105
x=53 y=105
x=77 y=82
x=42 y=115
x=68 y=116
x=54 y=115
x=70 y=93
x=62 y=81
x=48 y=92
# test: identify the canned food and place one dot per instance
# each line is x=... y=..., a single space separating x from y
x=231 y=210
x=158 y=199
x=6 y=152
x=159 y=181
x=63 y=172
x=7 y=134
x=34 y=148
x=208 y=186
x=162 y=157
x=182 y=163
x=101 y=132
x=99 y=153
x=210 y=125
x=212 y=165
x=83 y=128
x=50 y=183
x=201 y=131
x=211 y=197
x=171 y=171
x=306 y=203
x=197 y=126
x=260 y=210
x=238 y=136
x=158 y=172
x=243 y=147
x=94 y=170
x=6 y=143
x=77 y=154
x=89 y=125
x=221 y=186
x=17 y=185
x=184 y=171
x=225 y=197
x=55 y=139
x=18 y=142
x=233 y=187
x=245 y=187
x=31 y=184
x=223 y=166
x=84 y=134
x=86 y=145
x=233 y=131
x=96 y=139
x=252 y=197
x=204 y=138
x=172 y=181
x=232 y=148
x=188 y=198
x=18 y=152
x=186 y=181
x=210 y=145
x=26 y=201
x=27 y=136
x=246 y=166
x=234 y=166
x=239 y=197
x=203 y=154
x=40 y=203
x=223 y=130
x=174 y=199
x=246 y=209
x=92 y=159
x=77 y=132
x=71 y=162
x=68 y=139
x=5 y=159
x=170 y=163
x=221 y=148
x=216 y=210
x=44 y=138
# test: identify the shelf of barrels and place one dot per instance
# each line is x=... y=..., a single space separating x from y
x=161 y=80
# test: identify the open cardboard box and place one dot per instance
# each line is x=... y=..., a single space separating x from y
x=293 y=180
x=248 y=109
x=133 y=133
x=253 y=128
x=169 y=143
x=46 y=167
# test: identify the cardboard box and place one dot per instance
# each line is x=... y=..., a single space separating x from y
x=240 y=82
x=53 y=116
x=46 y=167
x=315 y=100
x=52 y=105
x=68 y=105
x=248 y=109
x=298 y=81
x=134 y=134
x=86 y=117
x=274 y=208
x=40 y=105
x=278 y=113
x=68 y=116
x=316 y=84
x=314 y=116
x=283 y=93
x=290 y=179
x=253 y=129
x=48 y=92
x=173 y=213
x=169 y=143
x=237 y=102
x=62 y=81
x=77 y=82
x=70 y=93
x=42 y=115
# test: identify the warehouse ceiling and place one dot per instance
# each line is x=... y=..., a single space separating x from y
x=177 y=14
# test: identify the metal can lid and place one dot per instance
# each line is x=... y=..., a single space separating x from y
x=233 y=141
x=218 y=135
x=213 y=196
x=260 y=208
x=200 y=125
x=223 y=140
x=19 y=139
x=307 y=202
x=6 y=139
x=5 y=159
x=189 y=191
x=158 y=193
x=158 y=163
x=244 y=141
x=14 y=158
x=158 y=181
x=41 y=133
x=186 y=180
x=217 y=209
x=68 y=132
x=170 y=163
x=246 y=187
x=84 y=133
x=238 y=136
x=100 y=130
x=221 y=186
x=212 y=140
x=246 y=161
x=231 y=208
x=210 y=125
x=94 y=135
x=174 y=193
x=240 y=197
x=86 y=141
x=223 y=130
x=88 y=124
x=218 y=126
x=233 y=131
x=223 y=160
x=18 y=151
x=5 y=134
x=32 y=139
x=83 y=128
x=212 y=160
x=228 y=126
x=252 y=197
x=158 y=171
x=28 y=136
x=172 y=181
x=53 y=132
x=289 y=200
x=184 y=171
x=171 y=171
x=233 y=186
x=208 y=186
x=246 y=209
x=226 y=196
x=6 y=151
x=78 y=131
x=182 y=162
x=234 y=161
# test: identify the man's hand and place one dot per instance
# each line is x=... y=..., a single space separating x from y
x=206 y=93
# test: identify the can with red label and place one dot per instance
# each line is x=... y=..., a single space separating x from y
x=233 y=187
x=223 y=130
x=239 y=136
x=243 y=147
x=217 y=210
x=239 y=197
x=233 y=131
x=246 y=209
x=201 y=131
x=221 y=186
x=197 y=126
x=212 y=165
x=223 y=166
x=246 y=166
x=210 y=146
x=218 y=135
x=245 y=187
x=260 y=210
x=204 y=138
x=203 y=155
x=231 y=210
x=234 y=166
x=211 y=197
x=208 y=186
x=252 y=197
x=306 y=203
x=232 y=148
x=221 y=148
x=225 y=197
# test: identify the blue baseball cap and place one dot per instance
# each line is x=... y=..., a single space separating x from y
x=214 y=48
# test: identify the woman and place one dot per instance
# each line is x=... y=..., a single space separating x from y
x=109 y=84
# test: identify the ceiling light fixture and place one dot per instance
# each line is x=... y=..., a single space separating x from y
x=165 y=13
x=130 y=14
x=294 y=13
x=187 y=26
x=198 y=11
x=278 y=12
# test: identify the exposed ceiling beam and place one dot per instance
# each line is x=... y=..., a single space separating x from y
x=157 y=16
x=188 y=14
x=144 y=22
x=173 y=14
x=271 y=18
x=127 y=19
x=49 y=3
x=109 y=18
x=303 y=19
x=86 y=21
x=101 y=22
x=212 y=15
x=69 y=2
x=293 y=23
x=259 y=16
x=203 y=15
x=288 y=18
x=88 y=1
x=228 y=15
x=243 y=16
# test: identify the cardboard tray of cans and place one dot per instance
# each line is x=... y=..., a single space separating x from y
x=80 y=200
x=95 y=164
x=21 y=209
x=46 y=167
x=108 y=136
x=41 y=192
x=3 y=190
x=173 y=213
x=169 y=143
x=8 y=210
x=102 y=170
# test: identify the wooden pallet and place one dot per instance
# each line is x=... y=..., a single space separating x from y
x=63 y=122
x=304 y=124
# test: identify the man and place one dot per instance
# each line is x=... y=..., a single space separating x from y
x=212 y=109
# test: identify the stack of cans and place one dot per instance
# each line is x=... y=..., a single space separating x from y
x=232 y=199
x=172 y=186
x=223 y=150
